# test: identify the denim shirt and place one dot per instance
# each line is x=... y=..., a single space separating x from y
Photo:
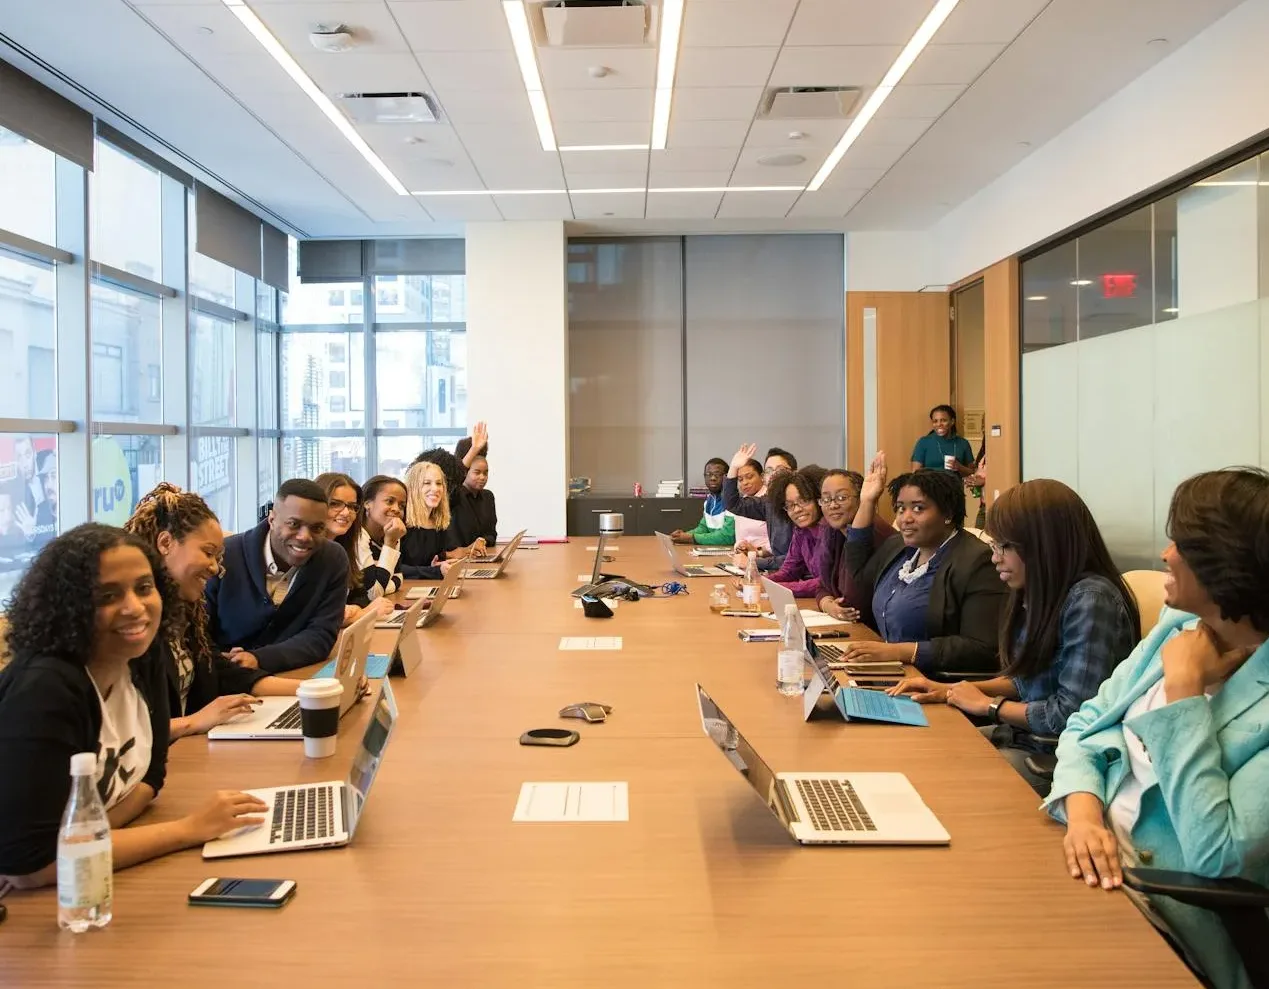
x=901 y=609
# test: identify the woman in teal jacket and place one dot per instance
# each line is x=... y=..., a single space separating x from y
x=1168 y=766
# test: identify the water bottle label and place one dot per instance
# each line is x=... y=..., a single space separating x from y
x=749 y=594
x=790 y=665
x=85 y=872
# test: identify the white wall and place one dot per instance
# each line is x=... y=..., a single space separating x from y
x=1206 y=97
x=517 y=367
x=888 y=261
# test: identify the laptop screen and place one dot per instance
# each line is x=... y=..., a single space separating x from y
x=365 y=765
x=739 y=753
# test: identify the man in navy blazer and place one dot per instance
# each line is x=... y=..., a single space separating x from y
x=278 y=603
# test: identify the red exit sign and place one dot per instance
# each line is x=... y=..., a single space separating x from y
x=1119 y=286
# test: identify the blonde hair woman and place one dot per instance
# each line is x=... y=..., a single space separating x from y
x=427 y=540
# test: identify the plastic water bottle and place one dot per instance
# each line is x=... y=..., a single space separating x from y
x=792 y=652
x=751 y=585
x=85 y=865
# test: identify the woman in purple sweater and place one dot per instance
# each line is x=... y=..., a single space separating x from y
x=799 y=499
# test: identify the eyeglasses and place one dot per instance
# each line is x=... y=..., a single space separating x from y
x=790 y=506
x=1001 y=548
x=841 y=498
x=338 y=507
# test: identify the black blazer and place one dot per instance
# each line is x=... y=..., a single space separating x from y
x=49 y=711
x=475 y=515
x=963 y=620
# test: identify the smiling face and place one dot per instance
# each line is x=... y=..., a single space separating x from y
x=839 y=501
x=297 y=527
x=1181 y=589
x=942 y=423
x=193 y=561
x=749 y=481
x=341 y=513
x=433 y=486
x=801 y=512
x=714 y=474
x=128 y=605
x=477 y=475
x=920 y=522
x=388 y=503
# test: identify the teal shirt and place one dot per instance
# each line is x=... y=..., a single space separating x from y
x=931 y=448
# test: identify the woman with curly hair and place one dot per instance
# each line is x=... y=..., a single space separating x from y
x=427 y=542
x=797 y=497
x=82 y=679
x=204 y=688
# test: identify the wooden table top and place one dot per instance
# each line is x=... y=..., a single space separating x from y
x=700 y=888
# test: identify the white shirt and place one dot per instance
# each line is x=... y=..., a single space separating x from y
x=125 y=742
x=276 y=580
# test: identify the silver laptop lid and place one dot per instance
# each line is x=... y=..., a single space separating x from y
x=365 y=764
x=452 y=578
x=741 y=754
x=778 y=595
x=667 y=546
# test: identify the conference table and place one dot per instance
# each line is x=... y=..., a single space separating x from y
x=700 y=887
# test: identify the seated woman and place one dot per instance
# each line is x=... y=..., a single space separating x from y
x=942 y=448
x=1069 y=620
x=751 y=533
x=454 y=467
x=841 y=596
x=379 y=542
x=475 y=522
x=1168 y=766
x=204 y=689
x=82 y=679
x=936 y=597
x=798 y=496
x=779 y=528
x=343 y=527
x=428 y=540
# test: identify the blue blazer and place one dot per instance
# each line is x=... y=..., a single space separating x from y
x=1208 y=812
x=299 y=632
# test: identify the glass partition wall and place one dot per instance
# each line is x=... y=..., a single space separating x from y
x=1145 y=357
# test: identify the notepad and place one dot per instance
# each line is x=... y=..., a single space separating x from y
x=858 y=704
x=610 y=548
x=582 y=642
x=810 y=618
x=567 y=802
x=376 y=667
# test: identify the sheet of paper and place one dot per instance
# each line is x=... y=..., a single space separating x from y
x=584 y=578
x=810 y=618
x=610 y=548
x=556 y=802
x=611 y=602
x=575 y=642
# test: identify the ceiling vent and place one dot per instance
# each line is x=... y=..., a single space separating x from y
x=810 y=103
x=594 y=23
x=332 y=38
x=389 y=108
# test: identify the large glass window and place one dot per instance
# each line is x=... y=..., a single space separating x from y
x=322 y=303
x=420 y=298
x=212 y=473
x=28 y=367
x=27 y=188
x=210 y=279
x=211 y=361
x=126 y=200
x=421 y=379
x=307 y=398
x=309 y=456
x=126 y=359
x=124 y=468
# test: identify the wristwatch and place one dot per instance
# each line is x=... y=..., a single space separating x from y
x=993 y=710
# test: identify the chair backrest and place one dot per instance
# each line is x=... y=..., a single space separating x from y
x=4 y=642
x=978 y=534
x=1147 y=588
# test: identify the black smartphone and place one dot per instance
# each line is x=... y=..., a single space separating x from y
x=242 y=892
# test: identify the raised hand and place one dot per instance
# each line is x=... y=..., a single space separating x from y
x=874 y=480
x=745 y=454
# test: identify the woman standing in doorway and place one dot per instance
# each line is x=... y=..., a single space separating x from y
x=942 y=448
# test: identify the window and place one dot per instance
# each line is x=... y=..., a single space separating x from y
x=28 y=502
x=396 y=453
x=335 y=297
x=421 y=299
x=336 y=352
x=28 y=383
x=124 y=468
x=212 y=473
x=338 y=379
x=305 y=398
x=126 y=203
x=127 y=335
x=267 y=461
x=27 y=188
x=320 y=303
x=355 y=298
x=211 y=279
x=266 y=302
x=421 y=378
x=310 y=456
x=338 y=403
x=154 y=373
x=211 y=361
x=267 y=378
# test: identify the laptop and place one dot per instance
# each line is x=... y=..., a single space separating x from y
x=713 y=551
x=824 y=693
x=427 y=611
x=667 y=547
x=279 y=717
x=481 y=570
x=407 y=653
x=429 y=593
x=316 y=815
x=827 y=808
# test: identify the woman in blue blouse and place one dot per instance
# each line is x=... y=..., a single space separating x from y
x=1069 y=620
x=942 y=441
x=1168 y=766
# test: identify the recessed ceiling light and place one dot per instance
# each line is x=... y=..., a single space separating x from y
x=933 y=21
x=603 y=147
x=667 y=64
x=784 y=160
x=310 y=89
x=1036 y=298
x=522 y=41
x=1081 y=282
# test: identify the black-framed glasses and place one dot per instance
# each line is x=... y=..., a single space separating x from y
x=790 y=506
x=841 y=498
x=338 y=507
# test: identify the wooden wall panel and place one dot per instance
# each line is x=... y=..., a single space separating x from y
x=1003 y=367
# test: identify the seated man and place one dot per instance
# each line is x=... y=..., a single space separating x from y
x=278 y=602
x=716 y=527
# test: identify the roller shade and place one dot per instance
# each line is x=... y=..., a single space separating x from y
x=275 y=260
x=330 y=261
x=37 y=113
x=138 y=151
x=226 y=232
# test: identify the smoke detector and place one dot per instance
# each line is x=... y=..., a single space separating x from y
x=332 y=38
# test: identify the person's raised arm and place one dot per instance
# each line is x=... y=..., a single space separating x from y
x=870 y=492
x=479 y=441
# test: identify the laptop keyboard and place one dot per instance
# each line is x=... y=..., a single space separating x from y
x=303 y=813
x=834 y=806
x=700 y=571
x=874 y=704
x=480 y=573
x=290 y=718
x=831 y=654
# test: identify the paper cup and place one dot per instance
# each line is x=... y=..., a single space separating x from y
x=319 y=715
x=949 y=462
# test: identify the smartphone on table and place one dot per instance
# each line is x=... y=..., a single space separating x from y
x=242 y=892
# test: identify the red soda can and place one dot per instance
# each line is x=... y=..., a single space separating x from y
x=638 y=490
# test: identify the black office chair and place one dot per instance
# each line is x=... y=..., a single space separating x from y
x=1239 y=903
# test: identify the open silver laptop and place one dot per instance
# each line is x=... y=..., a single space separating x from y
x=481 y=570
x=279 y=717
x=316 y=815
x=827 y=808
x=667 y=547
x=407 y=653
x=427 y=611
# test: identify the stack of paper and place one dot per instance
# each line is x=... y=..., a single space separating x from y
x=670 y=489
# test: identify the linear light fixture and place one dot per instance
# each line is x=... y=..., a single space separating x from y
x=522 y=41
x=310 y=89
x=933 y=21
x=667 y=64
x=633 y=190
x=604 y=147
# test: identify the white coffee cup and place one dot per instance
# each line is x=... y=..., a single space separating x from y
x=319 y=715
x=949 y=462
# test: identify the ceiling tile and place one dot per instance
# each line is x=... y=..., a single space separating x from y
x=862 y=155
x=607 y=180
x=724 y=66
x=509 y=138
x=372 y=26
x=187 y=27
x=683 y=205
x=853 y=65
x=412 y=140
x=533 y=170
x=843 y=177
x=675 y=160
x=619 y=206
x=601 y=132
x=601 y=162
x=449 y=26
x=760 y=175
x=461 y=207
x=707 y=133
x=365 y=72
x=818 y=134
x=891 y=130
x=535 y=207
x=826 y=204
x=705 y=179
x=479 y=106
x=568 y=68
x=716 y=102
x=736 y=23
x=622 y=105
x=427 y=175
x=988 y=20
x=756 y=204
x=495 y=71
x=921 y=101
x=857 y=22
x=951 y=64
